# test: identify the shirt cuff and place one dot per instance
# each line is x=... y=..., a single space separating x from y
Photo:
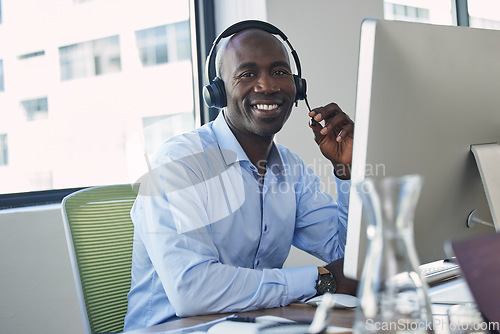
x=301 y=283
x=343 y=191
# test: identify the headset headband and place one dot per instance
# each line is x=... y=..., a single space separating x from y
x=240 y=26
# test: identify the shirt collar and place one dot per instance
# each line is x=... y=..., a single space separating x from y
x=232 y=151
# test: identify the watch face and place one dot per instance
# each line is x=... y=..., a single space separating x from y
x=326 y=284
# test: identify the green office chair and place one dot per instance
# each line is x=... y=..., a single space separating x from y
x=99 y=233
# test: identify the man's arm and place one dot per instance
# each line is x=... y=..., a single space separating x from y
x=175 y=229
x=335 y=140
x=321 y=222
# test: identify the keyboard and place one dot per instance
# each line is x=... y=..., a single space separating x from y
x=439 y=271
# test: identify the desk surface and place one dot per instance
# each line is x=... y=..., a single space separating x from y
x=297 y=312
x=341 y=318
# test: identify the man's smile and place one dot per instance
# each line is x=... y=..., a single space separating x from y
x=264 y=107
x=266 y=110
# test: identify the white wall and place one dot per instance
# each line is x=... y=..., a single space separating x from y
x=325 y=35
x=36 y=285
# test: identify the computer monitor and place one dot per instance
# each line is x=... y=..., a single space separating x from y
x=425 y=94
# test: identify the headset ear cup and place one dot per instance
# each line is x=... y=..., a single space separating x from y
x=300 y=88
x=215 y=94
x=208 y=95
x=221 y=101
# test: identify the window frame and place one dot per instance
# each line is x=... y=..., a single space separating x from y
x=462 y=13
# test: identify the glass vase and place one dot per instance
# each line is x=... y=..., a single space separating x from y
x=392 y=293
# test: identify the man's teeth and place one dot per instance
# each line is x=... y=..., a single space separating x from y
x=266 y=106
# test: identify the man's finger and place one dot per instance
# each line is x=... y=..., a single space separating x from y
x=316 y=128
x=345 y=132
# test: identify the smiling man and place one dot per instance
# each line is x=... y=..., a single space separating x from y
x=216 y=218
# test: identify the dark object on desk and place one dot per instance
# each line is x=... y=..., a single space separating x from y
x=237 y=318
x=479 y=259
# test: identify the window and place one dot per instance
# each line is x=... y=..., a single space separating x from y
x=425 y=11
x=152 y=45
x=35 y=109
x=82 y=107
x=4 y=150
x=403 y=12
x=90 y=58
x=182 y=43
x=167 y=43
x=484 y=14
x=473 y=13
x=2 y=88
x=157 y=128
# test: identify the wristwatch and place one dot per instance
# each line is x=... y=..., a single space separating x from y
x=326 y=282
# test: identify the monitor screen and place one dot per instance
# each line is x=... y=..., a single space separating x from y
x=425 y=94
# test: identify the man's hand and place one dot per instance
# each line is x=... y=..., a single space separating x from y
x=335 y=138
x=344 y=284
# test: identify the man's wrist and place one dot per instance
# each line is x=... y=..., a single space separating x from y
x=322 y=270
x=345 y=285
x=342 y=171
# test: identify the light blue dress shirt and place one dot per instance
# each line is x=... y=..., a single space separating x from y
x=211 y=235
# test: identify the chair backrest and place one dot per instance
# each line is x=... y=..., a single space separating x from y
x=99 y=234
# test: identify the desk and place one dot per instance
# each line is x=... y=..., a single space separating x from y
x=298 y=312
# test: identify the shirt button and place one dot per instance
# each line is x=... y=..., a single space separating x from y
x=265 y=228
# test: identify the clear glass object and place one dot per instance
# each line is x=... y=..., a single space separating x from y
x=392 y=293
x=466 y=319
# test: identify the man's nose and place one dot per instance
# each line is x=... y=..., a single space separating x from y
x=266 y=84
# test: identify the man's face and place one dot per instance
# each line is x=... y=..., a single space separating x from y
x=259 y=83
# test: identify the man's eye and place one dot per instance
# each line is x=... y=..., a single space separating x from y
x=280 y=72
x=246 y=75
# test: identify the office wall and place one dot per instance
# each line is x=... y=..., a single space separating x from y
x=36 y=285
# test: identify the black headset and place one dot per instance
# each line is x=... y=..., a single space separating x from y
x=214 y=94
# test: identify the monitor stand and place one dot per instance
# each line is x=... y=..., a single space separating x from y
x=488 y=162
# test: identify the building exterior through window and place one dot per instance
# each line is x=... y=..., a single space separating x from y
x=423 y=11
x=481 y=13
x=90 y=89
x=484 y=14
